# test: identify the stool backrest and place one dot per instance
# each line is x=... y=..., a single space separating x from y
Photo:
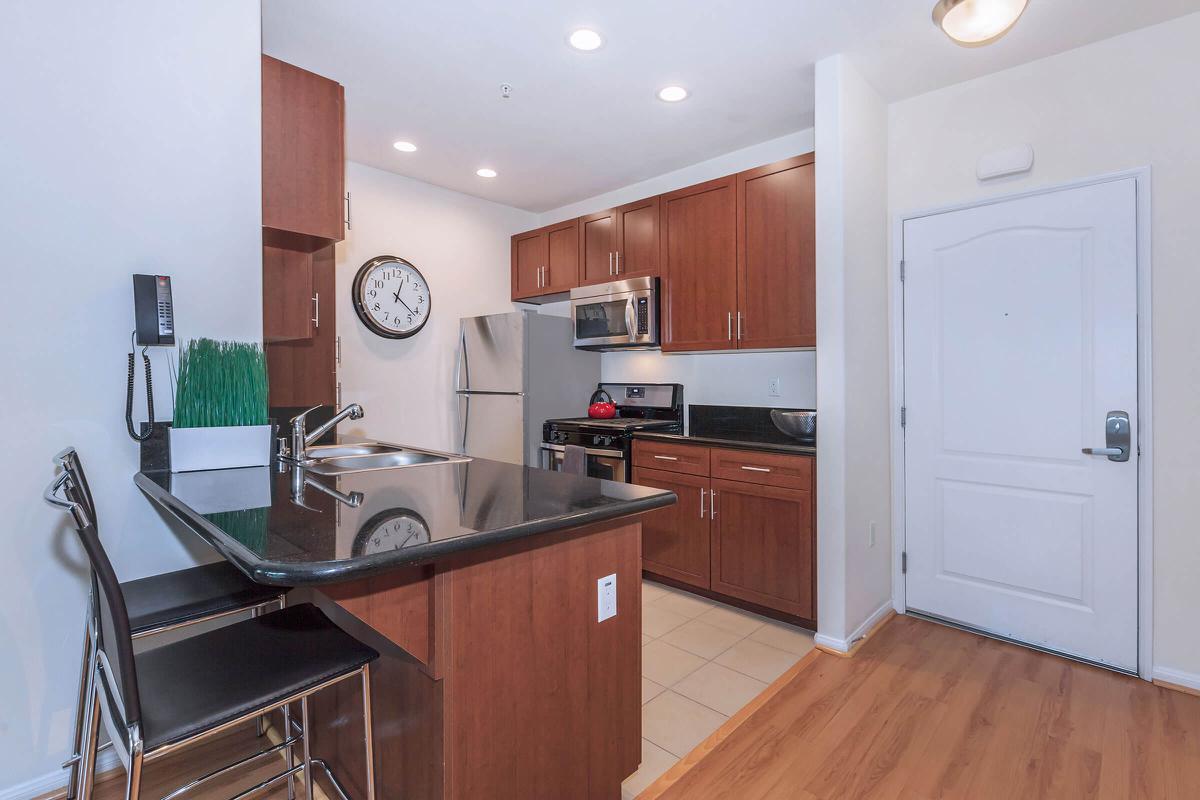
x=114 y=639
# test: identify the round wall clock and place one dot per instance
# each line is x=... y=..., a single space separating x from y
x=391 y=297
x=393 y=529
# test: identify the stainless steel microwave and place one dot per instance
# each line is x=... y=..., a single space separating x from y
x=616 y=315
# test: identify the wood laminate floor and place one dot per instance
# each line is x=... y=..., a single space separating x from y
x=925 y=711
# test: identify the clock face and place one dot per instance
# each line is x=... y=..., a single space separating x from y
x=390 y=530
x=391 y=297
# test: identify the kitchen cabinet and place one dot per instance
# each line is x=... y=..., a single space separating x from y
x=776 y=233
x=288 y=298
x=620 y=243
x=675 y=539
x=597 y=243
x=303 y=371
x=743 y=529
x=699 y=262
x=545 y=261
x=303 y=164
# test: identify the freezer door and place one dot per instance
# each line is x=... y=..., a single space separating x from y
x=491 y=355
x=492 y=426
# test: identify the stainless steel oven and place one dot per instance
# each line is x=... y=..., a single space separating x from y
x=601 y=462
x=616 y=315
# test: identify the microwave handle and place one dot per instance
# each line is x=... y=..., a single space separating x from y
x=631 y=317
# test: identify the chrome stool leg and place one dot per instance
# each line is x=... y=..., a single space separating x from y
x=87 y=669
x=308 y=776
x=368 y=731
x=87 y=759
x=287 y=751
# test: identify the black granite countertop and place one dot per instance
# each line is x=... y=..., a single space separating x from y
x=743 y=442
x=385 y=518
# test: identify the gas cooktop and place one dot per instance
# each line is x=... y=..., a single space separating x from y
x=622 y=423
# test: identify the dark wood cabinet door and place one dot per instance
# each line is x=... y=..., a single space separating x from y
x=777 y=255
x=303 y=157
x=699 y=263
x=597 y=247
x=562 y=257
x=675 y=539
x=529 y=254
x=637 y=248
x=763 y=546
x=287 y=288
x=304 y=372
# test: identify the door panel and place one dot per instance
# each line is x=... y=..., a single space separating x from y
x=1020 y=335
x=637 y=239
x=491 y=354
x=530 y=252
x=763 y=546
x=597 y=245
x=699 y=260
x=492 y=426
x=562 y=258
x=675 y=539
x=777 y=255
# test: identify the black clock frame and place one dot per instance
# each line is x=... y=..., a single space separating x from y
x=358 y=546
x=360 y=307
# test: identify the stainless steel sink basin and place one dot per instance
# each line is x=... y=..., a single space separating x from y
x=368 y=456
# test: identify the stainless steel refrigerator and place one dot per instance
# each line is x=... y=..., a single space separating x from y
x=514 y=372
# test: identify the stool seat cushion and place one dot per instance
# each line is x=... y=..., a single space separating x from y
x=189 y=594
x=206 y=680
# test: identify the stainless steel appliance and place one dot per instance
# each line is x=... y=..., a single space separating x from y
x=617 y=315
x=609 y=442
x=514 y=370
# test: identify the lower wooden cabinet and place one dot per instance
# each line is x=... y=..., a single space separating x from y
x=743 y=527
x=675 y=539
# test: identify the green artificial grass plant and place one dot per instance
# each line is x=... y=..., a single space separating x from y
x=221 y=384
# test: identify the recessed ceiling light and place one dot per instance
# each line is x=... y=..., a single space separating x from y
x=486 y=172
x=672 y=94
x=405 y=147
x=586 y=39
x=974 y=23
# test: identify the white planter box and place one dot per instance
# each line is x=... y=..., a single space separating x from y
x=220 y=448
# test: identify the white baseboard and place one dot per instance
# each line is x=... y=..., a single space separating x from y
x=1188 y=680
x=55 y=780
x=844 y=645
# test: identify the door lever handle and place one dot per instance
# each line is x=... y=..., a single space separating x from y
x=1116 y=438
x=1104 y=451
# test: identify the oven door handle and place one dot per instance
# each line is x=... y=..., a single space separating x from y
x=558 y=448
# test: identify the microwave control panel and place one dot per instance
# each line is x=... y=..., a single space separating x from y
x=643 y=316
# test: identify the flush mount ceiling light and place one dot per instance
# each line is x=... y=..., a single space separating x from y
x=672 y=94
x=974 y=23
x=586 y=40
x=486 y=172
x=405 y=147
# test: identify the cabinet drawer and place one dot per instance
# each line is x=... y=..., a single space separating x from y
x=686 y=458
x=765 y=469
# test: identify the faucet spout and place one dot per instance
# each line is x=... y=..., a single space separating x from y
x=352 y=411
x=301 y=439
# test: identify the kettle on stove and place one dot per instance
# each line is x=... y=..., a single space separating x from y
x=601 y=406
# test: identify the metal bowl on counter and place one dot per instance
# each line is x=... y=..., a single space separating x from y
x=797 y=424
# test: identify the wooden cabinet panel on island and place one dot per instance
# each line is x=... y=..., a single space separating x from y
x=303 y=166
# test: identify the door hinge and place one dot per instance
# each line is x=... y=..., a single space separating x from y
x=904 y=563
x=902 y=270
x=903 y=417
x=338 y=350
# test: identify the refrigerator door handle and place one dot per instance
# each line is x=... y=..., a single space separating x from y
x=462 y=370
x=464 y=417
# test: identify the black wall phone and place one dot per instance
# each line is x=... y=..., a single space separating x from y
x=154 y=326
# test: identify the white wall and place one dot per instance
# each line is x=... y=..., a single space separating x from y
x=709 y=378
x=853 y=474
x=130 y=144
x=461 y=245
x=1126 y=102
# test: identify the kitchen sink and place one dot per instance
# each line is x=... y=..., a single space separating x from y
x=368 y=456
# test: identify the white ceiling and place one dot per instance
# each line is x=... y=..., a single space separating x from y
x=579 y=124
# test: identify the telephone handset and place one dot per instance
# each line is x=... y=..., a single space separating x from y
x=154 y=326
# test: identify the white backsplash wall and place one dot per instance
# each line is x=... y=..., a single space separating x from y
x=461 y=245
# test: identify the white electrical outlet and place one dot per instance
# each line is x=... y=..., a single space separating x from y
x=606 y=598
x=871 y=535
x=773 y=389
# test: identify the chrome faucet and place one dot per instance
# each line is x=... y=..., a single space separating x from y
x=302 y=439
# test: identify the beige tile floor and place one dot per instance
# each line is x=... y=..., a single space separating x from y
x=701 y=662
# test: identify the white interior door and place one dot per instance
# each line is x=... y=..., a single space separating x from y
x=1020 y=335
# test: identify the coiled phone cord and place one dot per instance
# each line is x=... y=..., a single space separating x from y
x=140 y=437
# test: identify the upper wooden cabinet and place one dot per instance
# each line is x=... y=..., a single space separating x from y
x=545 y=261
x=777 y=255
x=699 y=260
x=597 y=244
x=303 y=158
x=619 y=243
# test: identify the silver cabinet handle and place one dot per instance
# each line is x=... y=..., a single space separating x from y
x=667 y=458
x=755 y=469
x=702 y=493
x=1116 y=438
x=610 y=268
x=348 y=226
x=618 y=262
x=729 y=326
x=739 y=326
x=712 y=512
x=316 y=320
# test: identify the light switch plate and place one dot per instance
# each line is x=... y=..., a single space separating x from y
x=773 y=387
x=606 y=597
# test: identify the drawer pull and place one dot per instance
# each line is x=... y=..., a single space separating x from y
x=755 y=469
x=667 y=458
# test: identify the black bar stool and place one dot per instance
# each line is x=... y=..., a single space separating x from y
x=157 y=604
x=159 y=701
